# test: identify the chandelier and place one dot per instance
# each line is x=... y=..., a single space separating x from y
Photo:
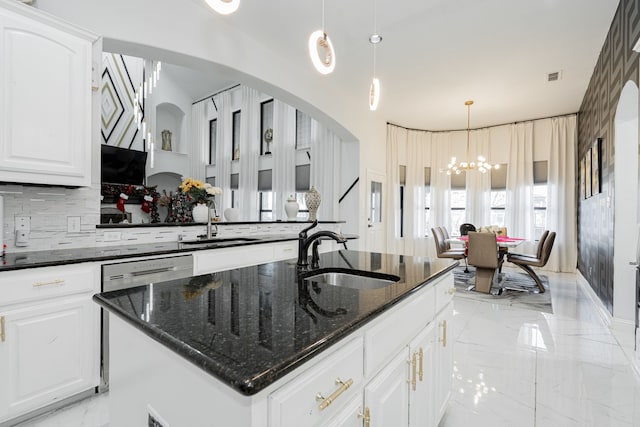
x=481 y=165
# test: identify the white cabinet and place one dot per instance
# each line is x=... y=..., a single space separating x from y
x=49 y=346
x=422 y=378
x=45 y=88
x=444 y=360
x=387 y=395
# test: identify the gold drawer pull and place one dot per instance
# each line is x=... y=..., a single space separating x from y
x=366 y=416
x=2 y=334
x=413 y=372
x=421 y=358
x=326 y=401
x=451 y=291
x=52 y=282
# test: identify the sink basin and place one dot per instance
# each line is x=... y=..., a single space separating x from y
x=219 y=240
x=353 y=281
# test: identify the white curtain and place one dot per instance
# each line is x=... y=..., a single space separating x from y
x=418 y=152
x=395 y=136
x=223 y=150
x=440 y=182
x=519 y=210
x=284 y=156
x=325 y=155
x=249 y=152
x=199 y=140
x=561 y=204
x=478 y=184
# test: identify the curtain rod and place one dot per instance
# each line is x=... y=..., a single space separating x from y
x=484 y=127
x=217 y=93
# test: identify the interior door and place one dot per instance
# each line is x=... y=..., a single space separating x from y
x=375 y=188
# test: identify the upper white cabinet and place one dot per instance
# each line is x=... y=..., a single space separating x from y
x=45 y=99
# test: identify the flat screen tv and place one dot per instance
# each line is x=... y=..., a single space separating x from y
x=123 y=166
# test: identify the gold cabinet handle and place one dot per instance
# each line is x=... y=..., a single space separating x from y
x=2 y=333
x=413 y=372
x=326 y=401
x=444 y=333
x=451 y=291
x=421 y=358
x=52 y=282
x=366 y=417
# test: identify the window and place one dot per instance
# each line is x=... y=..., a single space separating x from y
x=427 y=201
x=266 y=126
x=266 y=205
x=498 y=195
x=303 y=175
x=458 y=202
x=403 y=185
x=265 y=193
x=303 y=130
x=539 y=198
x=213 y=129
x=234 y=181
x=235 y=136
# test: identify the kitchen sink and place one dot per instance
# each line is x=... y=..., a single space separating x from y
x=353 y=281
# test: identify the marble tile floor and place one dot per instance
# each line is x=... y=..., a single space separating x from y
x=512 y=367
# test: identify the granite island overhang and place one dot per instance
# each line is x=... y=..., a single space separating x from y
x=250 y=326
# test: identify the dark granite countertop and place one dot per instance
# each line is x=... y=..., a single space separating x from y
x=21 y=260
x=250 y=326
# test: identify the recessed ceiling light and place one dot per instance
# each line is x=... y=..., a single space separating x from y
x=224 y=7
x=375 y=38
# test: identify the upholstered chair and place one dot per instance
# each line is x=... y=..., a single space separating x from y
x=526 y=262
x=483 y=254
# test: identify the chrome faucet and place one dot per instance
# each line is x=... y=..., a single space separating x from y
x=305 y=241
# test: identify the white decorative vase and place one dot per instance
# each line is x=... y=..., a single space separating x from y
x=291 y=208
x=312 y=199
x=232 y=214
x=200 y=212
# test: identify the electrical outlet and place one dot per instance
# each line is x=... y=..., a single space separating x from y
x=73 y=224
x=23 y=223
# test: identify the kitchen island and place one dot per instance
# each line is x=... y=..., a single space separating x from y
x=262 y=346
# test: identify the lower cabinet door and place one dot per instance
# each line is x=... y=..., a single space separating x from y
x=351 y=416
x=47 y=352
x=444 y=360
x=387 y=394
x=422 y=378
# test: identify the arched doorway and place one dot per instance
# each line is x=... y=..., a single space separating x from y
x=626 y=204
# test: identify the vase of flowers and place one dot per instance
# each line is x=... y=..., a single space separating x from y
x=202 y=195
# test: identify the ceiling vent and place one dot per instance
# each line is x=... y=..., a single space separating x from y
x=554 y=76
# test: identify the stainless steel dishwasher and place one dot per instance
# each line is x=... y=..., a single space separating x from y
x=124 y=275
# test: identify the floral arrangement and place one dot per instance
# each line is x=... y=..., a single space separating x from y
x=198 y=191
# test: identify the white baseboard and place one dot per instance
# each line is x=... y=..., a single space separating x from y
x=601 y=309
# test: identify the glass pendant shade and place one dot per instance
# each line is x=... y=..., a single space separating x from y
x=374 y=94
x=224 y=7
x=321 y=52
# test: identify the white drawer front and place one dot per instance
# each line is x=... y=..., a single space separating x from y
x=444 y=291
x=39 y=283
x=386 y=338
x=298 y=403
x=224 y=259
x=285 y=250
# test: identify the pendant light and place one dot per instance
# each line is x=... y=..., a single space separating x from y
x=224 y=7
x=140 y=96
x=481 y=165
x=321 y=50
x=374 y=89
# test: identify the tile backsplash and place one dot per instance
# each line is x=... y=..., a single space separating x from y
x=49 y=210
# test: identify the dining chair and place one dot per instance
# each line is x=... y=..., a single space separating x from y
x=466 y=228
x=483 y=254
x=443 y=248
x=526 y=262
